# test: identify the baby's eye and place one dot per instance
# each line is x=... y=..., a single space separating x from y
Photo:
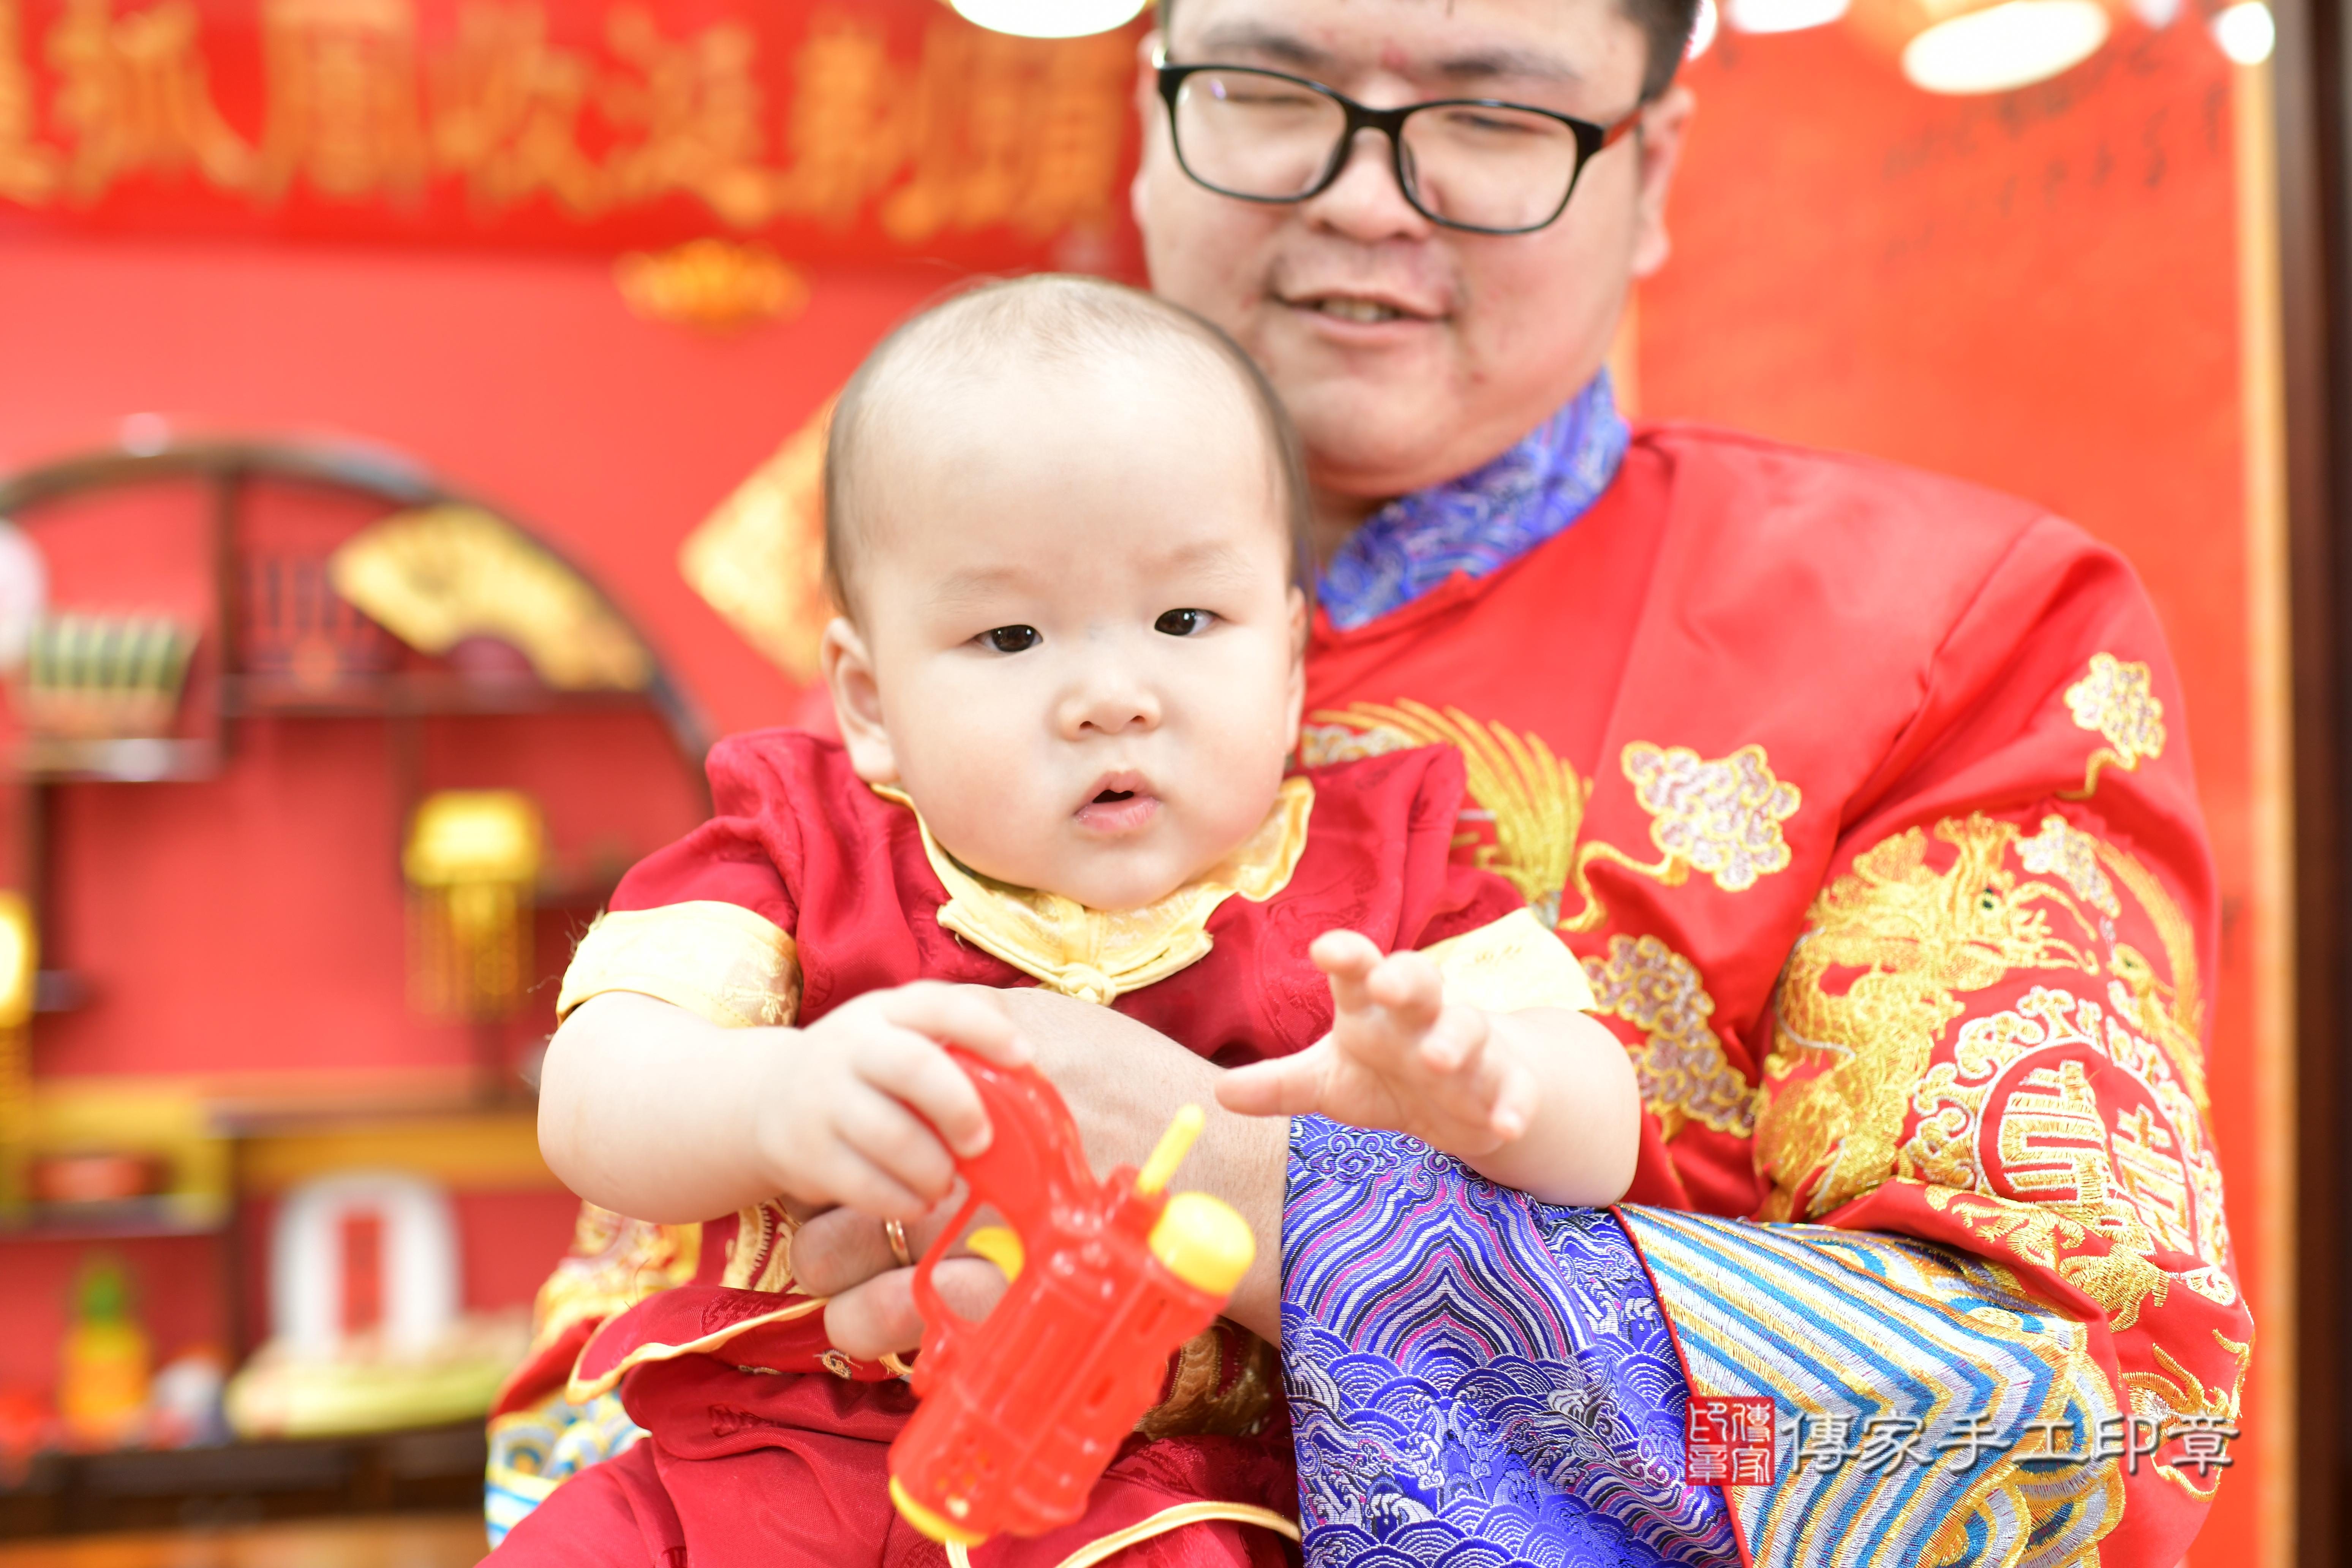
x=1184 y=623
x=1012 y=639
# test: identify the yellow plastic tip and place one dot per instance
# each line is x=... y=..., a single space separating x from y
x=930 y=1523
x=1169 y=1151
x=1204 y=1242
x=1001 y=1246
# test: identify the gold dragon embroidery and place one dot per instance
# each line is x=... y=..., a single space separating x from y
x=1536 y=801
x=1846 y=1056
x=2174 y=1398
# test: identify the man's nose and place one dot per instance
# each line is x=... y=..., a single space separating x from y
x=1107 y=700
x=1366 y=203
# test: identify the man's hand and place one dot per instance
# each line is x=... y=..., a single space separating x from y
x=1397 y=1059
x=866 y=1110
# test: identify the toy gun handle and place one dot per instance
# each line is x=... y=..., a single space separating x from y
x=1034 y=1167
x=1024 y=1409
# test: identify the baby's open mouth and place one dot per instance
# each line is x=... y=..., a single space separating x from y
x=1122 y=804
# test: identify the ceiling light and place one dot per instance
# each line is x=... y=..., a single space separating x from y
x=1704 y=23
x=2246 y=32
x=2007 y=45
x=1048 y=18
x=1781 y=15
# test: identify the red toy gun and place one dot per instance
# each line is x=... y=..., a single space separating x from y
x=1022 y=1411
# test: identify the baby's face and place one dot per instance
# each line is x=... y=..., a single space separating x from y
x=1077 y=650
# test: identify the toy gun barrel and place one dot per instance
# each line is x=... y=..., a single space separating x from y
x=1021 y=1412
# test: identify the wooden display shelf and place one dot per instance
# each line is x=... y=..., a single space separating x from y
x=422 y=693
x=129 y=1219
x=432 y=1467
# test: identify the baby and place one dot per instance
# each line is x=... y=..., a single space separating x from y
x=1065 y=533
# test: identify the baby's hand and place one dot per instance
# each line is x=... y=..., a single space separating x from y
x=863 y=1097
x=1397 y=1057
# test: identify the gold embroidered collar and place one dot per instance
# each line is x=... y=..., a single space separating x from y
x=1096 y=955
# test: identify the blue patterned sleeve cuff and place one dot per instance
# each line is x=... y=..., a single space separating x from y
x=1476 y=1378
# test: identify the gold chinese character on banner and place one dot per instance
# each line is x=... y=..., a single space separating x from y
x=27 y=170
x=976 y=132
x=1011 y=130
x=847 y=127
x=506 y=111
x=132 y=94
x=342 y=108
x=699 y=107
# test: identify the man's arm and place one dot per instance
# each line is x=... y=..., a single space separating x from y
x=2004 y=1324
x=1123 y=1082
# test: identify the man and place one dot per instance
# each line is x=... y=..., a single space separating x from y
x=1861 y=794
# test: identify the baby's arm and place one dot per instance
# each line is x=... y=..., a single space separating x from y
x=653 y=1110
x=1542 y=1100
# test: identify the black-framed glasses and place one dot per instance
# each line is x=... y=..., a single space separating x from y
x=1475 y=163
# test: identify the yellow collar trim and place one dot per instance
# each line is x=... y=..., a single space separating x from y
x=1096 y=955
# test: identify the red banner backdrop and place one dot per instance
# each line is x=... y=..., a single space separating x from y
x=833 y=131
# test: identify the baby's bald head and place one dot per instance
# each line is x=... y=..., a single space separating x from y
x=990 y=342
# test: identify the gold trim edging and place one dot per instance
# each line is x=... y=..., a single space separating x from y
x=1161 y=1524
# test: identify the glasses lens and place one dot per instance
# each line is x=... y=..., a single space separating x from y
x=1489 y=167
x=1251 y=133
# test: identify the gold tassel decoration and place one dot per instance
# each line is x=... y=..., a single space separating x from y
x=19 y=961
x=472 y=861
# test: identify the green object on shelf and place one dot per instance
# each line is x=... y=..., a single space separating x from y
x=103 y=1363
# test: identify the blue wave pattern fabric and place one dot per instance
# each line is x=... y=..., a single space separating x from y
x=1477 y=1379
x=1484 y=521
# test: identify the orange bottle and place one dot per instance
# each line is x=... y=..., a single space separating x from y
x=1021 y=1412
x=102 y=1387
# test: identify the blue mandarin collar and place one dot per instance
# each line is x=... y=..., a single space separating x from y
x=1483 y=520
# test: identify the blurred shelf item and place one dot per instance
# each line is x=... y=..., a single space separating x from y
x=59 y=990
x=430 y=1467
x=165 y=1128
x=58 y=759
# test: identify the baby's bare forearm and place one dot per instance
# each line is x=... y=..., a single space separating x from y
x=649 y=1109
x=1580 y=1145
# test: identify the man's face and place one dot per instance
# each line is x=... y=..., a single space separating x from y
x=1409 y=354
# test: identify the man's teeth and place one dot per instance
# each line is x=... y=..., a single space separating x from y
x=1358 y=310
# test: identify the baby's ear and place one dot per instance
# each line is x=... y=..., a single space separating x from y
x=848 y=671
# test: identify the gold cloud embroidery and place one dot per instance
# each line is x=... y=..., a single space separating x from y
x=2114 y=701
x=1682 y=1072
x=2065 y=851
x=1719 y=816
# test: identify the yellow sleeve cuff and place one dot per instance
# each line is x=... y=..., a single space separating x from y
x=721 y=961
x=1512 y=964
